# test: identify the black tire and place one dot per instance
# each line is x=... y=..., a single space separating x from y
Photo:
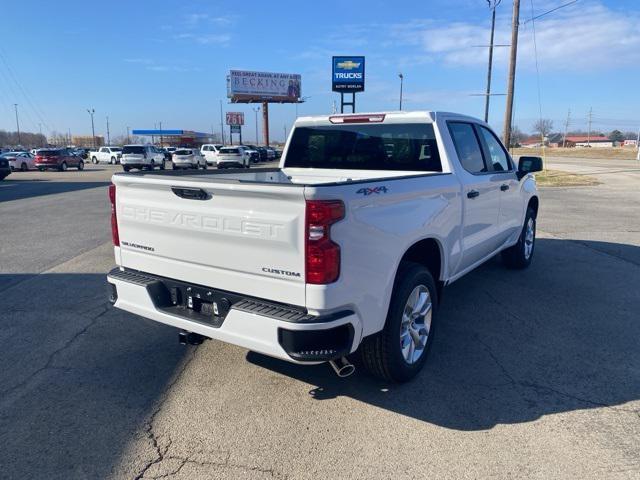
x=520 y=255
x=204 y=167
x=113 y=161
x=80 y=165
x=24 y=167
x=162 y=165
x=63 y=167
x=41 y=169
x=152 y=165
x=94 y=160
x=126 y=168
x=381 y=353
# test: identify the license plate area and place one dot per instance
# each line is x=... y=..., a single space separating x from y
x=192 y=302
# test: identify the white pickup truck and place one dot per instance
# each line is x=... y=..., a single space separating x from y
x=110 y=155
x=346 y=246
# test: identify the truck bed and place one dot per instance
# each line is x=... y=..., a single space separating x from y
x=277 y=176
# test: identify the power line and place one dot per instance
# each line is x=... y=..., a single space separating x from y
x=532 y=19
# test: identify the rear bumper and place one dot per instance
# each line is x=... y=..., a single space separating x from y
x=280 y=331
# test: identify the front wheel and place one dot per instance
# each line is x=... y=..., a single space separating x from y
x=126 y=168
x=520 y=255
x=94 y=160
x=400 y=350
x=80 y=165
x=163 y=165
x=24 y=167
x=63 y=167
x=152 y=165
x=113 y=160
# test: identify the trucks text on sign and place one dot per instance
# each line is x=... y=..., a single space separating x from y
x=348 y=74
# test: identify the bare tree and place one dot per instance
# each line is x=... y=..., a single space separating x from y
x=543 y=127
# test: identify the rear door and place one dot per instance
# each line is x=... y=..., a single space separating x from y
x=480 y=195
x=243 y=238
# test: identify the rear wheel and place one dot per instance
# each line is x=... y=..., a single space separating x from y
x=152 y=165
x=41 y=169
x=94 y=160
x=520 y=255
x=400 y=350
x=24 y=167
x=126 y=168
x=113 y=160
x=80 y=165
x=63 y=167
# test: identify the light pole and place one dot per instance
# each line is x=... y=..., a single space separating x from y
x=401 y=81
x=40 y=129
x=91 y=111
x=108 y=135
x=15 y=105
x=128 y=139
x=221 y=124
x=161 y=137
x=492 y=5
x=256 y=110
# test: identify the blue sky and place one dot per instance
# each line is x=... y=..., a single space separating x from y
x=144 y=62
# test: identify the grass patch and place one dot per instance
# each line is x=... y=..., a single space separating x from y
x=558 y=178
x=594 y=152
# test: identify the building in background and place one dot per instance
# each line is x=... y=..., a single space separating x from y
x=87 y=140
x=597 y=141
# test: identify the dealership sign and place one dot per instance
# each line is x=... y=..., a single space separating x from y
x=235 y=118
x=348 y=74
x=248 y=87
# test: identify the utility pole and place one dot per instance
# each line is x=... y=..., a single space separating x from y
x=128 y=139
x=15 y=105
x=401 y=80
x=265 y=123
x=161 y=137
x=492 y=5
x=108 y=134
x=566 y=128
x=590 y=117
x=40 y=130
x=91 y=111
x=508 y=113
x=256 y=110
x=221 y=124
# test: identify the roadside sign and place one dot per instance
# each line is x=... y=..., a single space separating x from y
x=347 y=74
x=235 y=128
x=235 y=118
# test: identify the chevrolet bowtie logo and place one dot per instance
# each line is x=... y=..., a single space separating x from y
x=348 y=65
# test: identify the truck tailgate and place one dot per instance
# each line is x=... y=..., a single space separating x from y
x=247 y=239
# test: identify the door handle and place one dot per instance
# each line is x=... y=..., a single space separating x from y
x=473 y=194
x=190 y=193
x=504 y=187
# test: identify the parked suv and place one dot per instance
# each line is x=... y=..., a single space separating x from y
x=58 y=158
x=188 y=158
x=142 y=156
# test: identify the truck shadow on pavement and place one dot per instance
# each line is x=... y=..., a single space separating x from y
x=513 y=346
x=21 y=189
x=79 y=379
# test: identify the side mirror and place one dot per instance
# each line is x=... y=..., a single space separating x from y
x=528 y=165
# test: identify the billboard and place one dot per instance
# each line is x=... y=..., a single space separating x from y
x=255 y=87
x=235 y=118
x=347 y=74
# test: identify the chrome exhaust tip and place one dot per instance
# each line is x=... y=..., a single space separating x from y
x=342 y=367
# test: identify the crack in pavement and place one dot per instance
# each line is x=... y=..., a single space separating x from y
x=48 y=364
x=537 y=386
x=226 y=464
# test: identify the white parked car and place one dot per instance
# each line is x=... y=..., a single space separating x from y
x=346 y=246
x=230 y=157
x=142 y=157
x=188 y=158
x=110 y=155
x=210 y=152
x=20 y=160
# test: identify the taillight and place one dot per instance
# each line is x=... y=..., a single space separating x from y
x=115 y=236
x=322 y=255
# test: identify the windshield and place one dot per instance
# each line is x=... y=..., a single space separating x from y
x=183 y=152
x=133 y=149
x=116 y=149
x=404 y=147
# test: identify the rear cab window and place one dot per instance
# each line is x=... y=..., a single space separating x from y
x=403 y=147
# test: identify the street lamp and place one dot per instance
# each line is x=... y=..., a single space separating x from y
x=401 y=80
x=256 y=110
x=91 y=111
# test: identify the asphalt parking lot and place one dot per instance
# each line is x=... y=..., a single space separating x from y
x=533 y=374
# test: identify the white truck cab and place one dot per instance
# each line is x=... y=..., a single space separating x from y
x=110 y=155
x=210 y=152
x=345 y=247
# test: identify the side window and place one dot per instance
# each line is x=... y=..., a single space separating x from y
x=467 y=147
x=498 y=157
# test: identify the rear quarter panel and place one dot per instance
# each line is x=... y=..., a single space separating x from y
x=377 y=230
